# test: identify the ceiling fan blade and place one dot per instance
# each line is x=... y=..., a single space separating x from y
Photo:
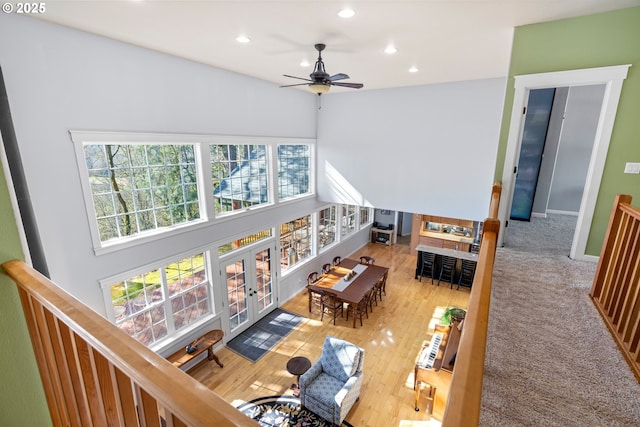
x=299 y=78
x=351 y=85
x=339 y=76
x=297 y=84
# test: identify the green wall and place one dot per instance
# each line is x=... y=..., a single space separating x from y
x=22 y=401
x=611 y=38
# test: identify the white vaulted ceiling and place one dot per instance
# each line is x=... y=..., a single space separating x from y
x=446 y=40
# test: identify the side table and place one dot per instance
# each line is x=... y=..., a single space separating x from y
x=297 y=366
x=202 y=344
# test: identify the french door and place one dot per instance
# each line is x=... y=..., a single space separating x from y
x=250 y=288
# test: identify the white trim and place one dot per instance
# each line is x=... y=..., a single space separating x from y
x=106 y=282
x=612 y=77
x=568 y=213
x=105 y=137
x=538 y=214
x=591 y=258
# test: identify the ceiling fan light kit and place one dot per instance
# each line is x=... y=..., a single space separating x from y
x=319 y=88
x=319 y=81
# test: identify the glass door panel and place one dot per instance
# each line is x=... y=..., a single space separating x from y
x=264 y=284
x=236 y=293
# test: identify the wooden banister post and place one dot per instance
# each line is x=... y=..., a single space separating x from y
x=608 y=245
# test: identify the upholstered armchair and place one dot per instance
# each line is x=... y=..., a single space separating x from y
x=332 y=385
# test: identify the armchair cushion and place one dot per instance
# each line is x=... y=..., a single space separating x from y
x=340 y=359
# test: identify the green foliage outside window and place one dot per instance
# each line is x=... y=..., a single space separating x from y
x=140 y=187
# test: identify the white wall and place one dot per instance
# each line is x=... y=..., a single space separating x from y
x=60 y=79
x=384 y=219
x=422 y=149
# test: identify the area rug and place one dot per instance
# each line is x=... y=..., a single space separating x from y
x=256 y=341
x=282 y=411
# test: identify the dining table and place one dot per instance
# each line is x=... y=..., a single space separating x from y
x=350 y=290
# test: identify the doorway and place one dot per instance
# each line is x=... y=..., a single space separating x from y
x=248 y=277
x=612 y=78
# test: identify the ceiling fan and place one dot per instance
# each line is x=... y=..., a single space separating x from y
x=320 y=81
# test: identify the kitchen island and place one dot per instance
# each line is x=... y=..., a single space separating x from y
x=441 y=252
x=449 y=233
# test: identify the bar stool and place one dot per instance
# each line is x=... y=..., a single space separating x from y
x=447 y=269
x=428 y=265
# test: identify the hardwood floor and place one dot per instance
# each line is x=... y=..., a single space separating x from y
x=391 y=337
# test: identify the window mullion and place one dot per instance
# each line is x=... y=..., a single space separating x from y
x=168 y=312
x=315 y=229
x=205 y=188
x=272 y=173
x=151 y=189
x=132 y=189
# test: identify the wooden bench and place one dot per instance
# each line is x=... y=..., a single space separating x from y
x=202 y=344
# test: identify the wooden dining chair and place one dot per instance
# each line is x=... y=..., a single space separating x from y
x=367 y=260
x=326 y=268
x=316 y=297
x=332 y=305
x=312 y=277
x=362 y=308
x=381 y=287
x=336 y=260
x=371 y=298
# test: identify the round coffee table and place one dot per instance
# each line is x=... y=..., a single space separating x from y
x=297 y=366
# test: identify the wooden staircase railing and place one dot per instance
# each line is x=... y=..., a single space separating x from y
x=96 y=375
x=465 y=392
x=616 y=285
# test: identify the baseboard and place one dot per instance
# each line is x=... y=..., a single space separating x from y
x=569 y=213
x=539 y=214
x=588 y=258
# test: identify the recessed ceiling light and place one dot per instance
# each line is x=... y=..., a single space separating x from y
x=390 y=50
x=305 y=64
x=413 y=69
x=243 y=39
x=346 y=13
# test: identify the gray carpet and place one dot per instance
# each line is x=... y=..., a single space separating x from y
x=550 y=359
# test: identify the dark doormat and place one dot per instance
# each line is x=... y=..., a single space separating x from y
x=256 y=341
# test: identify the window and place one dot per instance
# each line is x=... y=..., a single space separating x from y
x=240 y=176
x=248 y=240
x=156 y=304
x=141 y=187
x=365 y=216
x=349 y=218
x=295 y=241
x=188 y=283
x=326 y=227
x=293 y=171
